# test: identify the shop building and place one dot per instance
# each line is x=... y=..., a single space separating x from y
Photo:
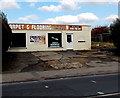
x=49 y=37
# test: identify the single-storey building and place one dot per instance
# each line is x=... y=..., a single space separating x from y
x=49 y=37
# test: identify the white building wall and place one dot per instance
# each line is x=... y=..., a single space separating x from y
x=84 y=35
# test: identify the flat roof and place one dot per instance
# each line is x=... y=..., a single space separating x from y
x=20 y=26
x=51 y=24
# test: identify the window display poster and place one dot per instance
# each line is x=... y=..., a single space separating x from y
x=37 y=39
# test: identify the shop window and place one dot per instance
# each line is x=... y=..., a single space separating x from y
x=54 y=40
x=37 y=39
x=18 y=40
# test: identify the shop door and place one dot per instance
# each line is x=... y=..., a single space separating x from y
x=69 y=41
x=18 y=40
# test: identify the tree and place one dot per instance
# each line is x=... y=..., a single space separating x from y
x=100 y=30
x=101 y=34
x=6 y=39
x=115 y=33
x=6 y=32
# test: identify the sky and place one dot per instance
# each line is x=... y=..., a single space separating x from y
x=81 y=12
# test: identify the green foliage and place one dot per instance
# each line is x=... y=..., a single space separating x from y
x=115 y=33
x=102 y=45
x=6 y=32
x=3 y=17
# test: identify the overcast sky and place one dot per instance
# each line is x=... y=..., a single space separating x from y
x=94 y=13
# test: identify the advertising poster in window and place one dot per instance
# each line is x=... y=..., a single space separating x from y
x=37 y=39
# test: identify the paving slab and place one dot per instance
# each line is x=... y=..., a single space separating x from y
x=51 y=57
x=100 y=63
x=44 y=53
x=116 y=59
x=30 y=76
x=99 y=56
x=31 y=66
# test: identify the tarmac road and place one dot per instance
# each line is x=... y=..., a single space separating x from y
x=93 y=85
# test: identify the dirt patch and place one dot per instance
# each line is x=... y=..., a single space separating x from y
x=42 y=61
x=81 y=60
x=68 y=63
x=53 y=62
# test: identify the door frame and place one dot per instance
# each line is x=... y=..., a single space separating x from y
x=69 y=45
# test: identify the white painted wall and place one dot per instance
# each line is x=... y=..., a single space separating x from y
x=84 y=35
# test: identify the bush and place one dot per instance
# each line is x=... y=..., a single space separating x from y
x=115 y=33
x=99 y=45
